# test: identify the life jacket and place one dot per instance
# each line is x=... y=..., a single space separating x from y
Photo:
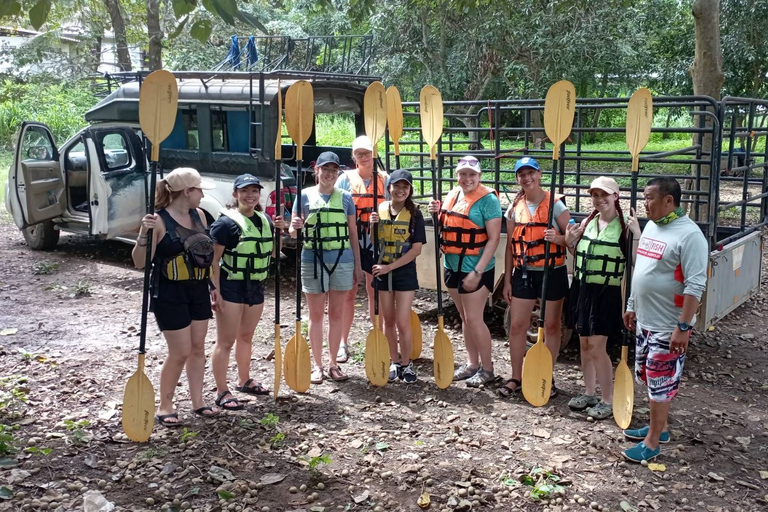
x=194 y=262
x=249 y=260
x=363 y=199
x=527 y=240
x=458 y=234
x=599 y=258
x=326 y=229
x=394 y=234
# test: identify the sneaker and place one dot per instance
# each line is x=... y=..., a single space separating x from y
x=600 y=411
x=554 y=390
x=481 y=378
x=581 y=402
x=408 y=374
x=464 y=372
x=640 y=453
x=342 y=356
x=639 y=434
x=317 y=375
x=394 y=371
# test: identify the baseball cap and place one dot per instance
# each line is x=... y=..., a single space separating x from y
x=362 y=142
x=400 y=175
x=186 y=177
x=526 y=161
x=327 y=157
x=245 y=180
x=469 y=162
x=605 y=184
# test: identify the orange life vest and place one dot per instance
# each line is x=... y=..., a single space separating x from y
x=527 y=238
x=458 y=234
x=362 y=196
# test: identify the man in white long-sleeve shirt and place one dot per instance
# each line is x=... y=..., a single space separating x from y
x=669 y=278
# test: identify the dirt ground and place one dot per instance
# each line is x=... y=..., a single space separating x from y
x=68 y=344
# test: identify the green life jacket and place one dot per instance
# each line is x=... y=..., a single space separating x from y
x=249 y=260
x=326 y=227
x=599 y=258
x=394 y=234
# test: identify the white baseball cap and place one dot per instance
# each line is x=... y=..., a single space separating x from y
x=362 y=142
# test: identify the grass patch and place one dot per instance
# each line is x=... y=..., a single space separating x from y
x=6 y=159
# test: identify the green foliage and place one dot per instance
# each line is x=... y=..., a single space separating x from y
x=225 y=495
x=44 y=268
x=78 y=436
x=13 y=396
x=314 y=463
x=187 y=435
x=151 y=453
x=8 y=441
x=544 y=484
x=277 y=440
x=82 y=289
x=38 y=451
x=270 y=420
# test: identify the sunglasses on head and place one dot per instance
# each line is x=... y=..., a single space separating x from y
x=469 y=160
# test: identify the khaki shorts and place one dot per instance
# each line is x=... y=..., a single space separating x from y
x=339 y=281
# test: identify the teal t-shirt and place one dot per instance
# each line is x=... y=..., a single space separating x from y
x=482 y=211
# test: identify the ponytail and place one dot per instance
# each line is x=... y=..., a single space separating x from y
x=517 y=198
x=164 y=196
x=623 y=237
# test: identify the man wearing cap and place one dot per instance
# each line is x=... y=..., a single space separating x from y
x=360 y=183
x=669 y=278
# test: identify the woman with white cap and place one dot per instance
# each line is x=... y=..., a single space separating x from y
x=359 y=182
x=527 y=232
x=182 y=256
x=596 y=306
x=470 y=229
x=401 y=235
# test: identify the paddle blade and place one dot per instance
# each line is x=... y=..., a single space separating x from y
x=537 y=373
x=559 y=109
x=299 y=113
x=139 y=405
x=395 y=116
x=279 y=133
x=639 y=121
x=278 y=362
x=623 y=392
x=375 y=108
x=431 y=112
x=158 y=100
x=443 y=357
x=377 y=356
x=296 y=364
x=416 y=336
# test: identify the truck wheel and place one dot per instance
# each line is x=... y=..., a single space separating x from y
x=41 y=237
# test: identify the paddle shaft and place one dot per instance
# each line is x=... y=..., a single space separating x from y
x=278 y=238
x=437 y=244
x=148 y=260
x=375 y=236
x=628 y=265
x=547 y=248
x=299 y=233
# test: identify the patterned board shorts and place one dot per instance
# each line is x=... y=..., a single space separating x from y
x=656 y=367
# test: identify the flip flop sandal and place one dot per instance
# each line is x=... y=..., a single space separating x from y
x=505 y=391
x=161 y=420
x=246 y=388
x=223 y=403
x=335 y=373
x=202 y=412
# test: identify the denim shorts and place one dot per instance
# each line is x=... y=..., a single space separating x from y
x=340 y=280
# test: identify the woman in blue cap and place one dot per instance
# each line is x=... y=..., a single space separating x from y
x=243 y=248
x=401 y=235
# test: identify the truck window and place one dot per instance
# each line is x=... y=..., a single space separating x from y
x=219 y=130
x=116 y=152
x=36 y=145
x=190 y=128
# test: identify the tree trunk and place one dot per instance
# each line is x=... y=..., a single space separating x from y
x=707 y=75
x=121 y=41
x=155 y=33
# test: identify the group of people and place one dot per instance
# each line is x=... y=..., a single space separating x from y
x=337 y=220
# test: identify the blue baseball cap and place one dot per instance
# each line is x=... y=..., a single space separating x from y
x=526 y=161
x=327 y=157
x=245 y=180
x=400 y=175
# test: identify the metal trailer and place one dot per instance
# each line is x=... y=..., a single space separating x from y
x=730 y=207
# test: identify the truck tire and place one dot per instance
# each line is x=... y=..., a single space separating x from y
x=41 y=237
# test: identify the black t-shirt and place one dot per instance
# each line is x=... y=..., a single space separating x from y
x=226 y=232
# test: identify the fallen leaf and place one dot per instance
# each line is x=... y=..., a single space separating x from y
x=107 y=414
x=91 y=461
x=626 y=507
x=355 y=444
x=219 y=474
x=540 y=432
x=411 y=468
x=9 y=331
x=642 y=410
x=18 y=475
x=272 y=478
x=657 y=467
x=743 y=441
x=5 y=493
x=764 y=475
x=714 y=476
x=361 y=498
x=423 y=500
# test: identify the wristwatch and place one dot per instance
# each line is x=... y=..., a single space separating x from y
x=684 y=326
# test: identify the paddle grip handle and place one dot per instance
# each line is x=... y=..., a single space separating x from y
x=436 y=225
x=547 y=246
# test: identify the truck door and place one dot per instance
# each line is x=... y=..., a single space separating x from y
x=36 y=188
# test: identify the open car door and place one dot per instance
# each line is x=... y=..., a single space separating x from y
x=37 y=187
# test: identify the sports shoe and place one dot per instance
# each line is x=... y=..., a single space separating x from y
x=342 y=356
x=554 y=390
x=600 y=411
x=394 y=371
x=640 y=453
x=640 y=433
x=408 y=374
x=582 y=401
x=480 y=378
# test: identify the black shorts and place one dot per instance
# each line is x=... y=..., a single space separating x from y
x=191 y=301
x=366 y=260
x=595 y=309
x=453 y=280
x=530 y=287
x=401 y=279
x=238 y=293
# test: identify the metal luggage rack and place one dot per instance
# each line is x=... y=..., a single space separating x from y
x=502 y=131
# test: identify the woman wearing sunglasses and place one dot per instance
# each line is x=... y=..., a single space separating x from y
x=470 y=229
x=527 y=230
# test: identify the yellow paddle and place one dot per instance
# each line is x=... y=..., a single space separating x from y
x=158 y=99
x=278 y=237
x=559 y=108
x=395 y=124
x=431 y=112
x=639 y=121
x=376 y=345
x=299 y=112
